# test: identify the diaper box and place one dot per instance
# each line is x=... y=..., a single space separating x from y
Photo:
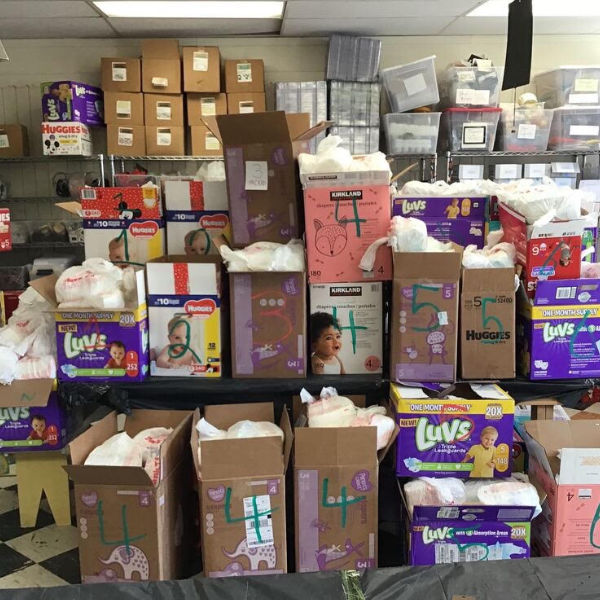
x=72 y=101
x=559 y=330
x=550 y=251
x=344 y=214
x=66 y=138
x=31 y=417
x=242 y=499
x=458 y=220
x=268 y=324
x=125 y=203
x=121 y=74
x=465 y=431
x=129 y=527
x=346 y=328
x=184 y=314
x=424 y=323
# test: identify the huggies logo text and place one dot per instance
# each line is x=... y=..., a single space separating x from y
x=427 y=436
x=74 y=346
x=552 y=332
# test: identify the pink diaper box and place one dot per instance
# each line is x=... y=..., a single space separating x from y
x=345 y=213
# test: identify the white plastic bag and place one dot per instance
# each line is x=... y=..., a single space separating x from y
x=427 y=491
x=265 y=256
x=42 y=367
x=8 y=365
x=117 y=451
x=254 y=429
x=150 y=441
x=500 y=256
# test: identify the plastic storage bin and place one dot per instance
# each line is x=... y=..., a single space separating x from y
x=469 y=129
x=524 y=129
x=575 y=129
x=411 y=133
x=354 y=103
x=411 y=86
x=353 y=58
x=358 y=140
x=569 y=85
x=14 y=278
x=471 y=86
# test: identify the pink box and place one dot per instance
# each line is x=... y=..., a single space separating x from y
x=345 y=213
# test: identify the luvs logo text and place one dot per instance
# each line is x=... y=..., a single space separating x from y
x=410 y=206
x=427 y=435
x=436 y=535
x=74 y=346
x=15 y=413
x=551 y=332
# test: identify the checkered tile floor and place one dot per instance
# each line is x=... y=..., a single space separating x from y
x=43 y=556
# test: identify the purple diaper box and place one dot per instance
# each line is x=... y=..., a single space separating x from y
x=72 y=101
x=559 y=331
x=458 y=220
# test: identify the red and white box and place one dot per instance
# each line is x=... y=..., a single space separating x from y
x=5 y=236
x=124 y=203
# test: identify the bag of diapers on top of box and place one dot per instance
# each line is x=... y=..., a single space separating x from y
x=265 y=256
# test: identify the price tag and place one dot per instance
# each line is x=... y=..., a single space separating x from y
x=246 y=107
x=415 y=84
x=244 y=73
x=125 y=137
x=163 y=137
x=474 y=135
x=119 y=71
x=257 y=175
x=211 y=142
x=466 y=96
x=200 y=60
x=584 y=130
x=163 y=111
x=123 y=109
x=4 y=143
x=208 y=107
x=526 y=131
x=5 y=237
x=585 y=85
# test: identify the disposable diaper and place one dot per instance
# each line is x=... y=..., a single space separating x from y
x=150 y=441
x=8 y=365
x=265 y=256
x=427 y=491
x=41 y=367
x=500 y=256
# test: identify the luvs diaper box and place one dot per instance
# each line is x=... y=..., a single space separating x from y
x=559 y=330
x=184 y=312
x=72 y=101
x=195 y=212
x=344 y=214
x=459 y=220
x=424 y=324
x=346 y=328
x=466 y=432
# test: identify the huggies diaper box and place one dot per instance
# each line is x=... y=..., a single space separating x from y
x=459 y=220
x=66 y=138
x=184 y=312
x=467 y=432
x=72 y=101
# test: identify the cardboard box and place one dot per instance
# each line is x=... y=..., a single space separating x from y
x=31 y=418
x=124 y=108
x=268 y=324
x=73 y=139
x=455 y=437
x=165 y=141
x=163 y=109
x=200 y=106
x=487 y=324
x=558 y=330
x=122 y=515
x=550 y=251
x=161 y=67
x=344 y=214
x=13 y=141
x=201 y=69
x=126 y=141
x=121 y=74
x=196 y=211
x=260 y=151
x=246 y=102
x=72 y=101
x=204 y=142
x=244 y=76
x=242 y=494
x=352 y=313
x=184 y=312
x=126 y=203
x=458 y=220
x=424 y=322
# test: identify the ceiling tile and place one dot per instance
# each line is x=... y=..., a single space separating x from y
x=477 y=26
x=37 y=9
x=193 y=27
x=562 y=25
x=77 y=27
x=541 y=26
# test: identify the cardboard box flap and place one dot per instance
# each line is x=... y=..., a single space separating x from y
x=591 y=412
x=426 y=266
x=73 y=207
x=493 y=280
x=313 y=131
x=30 y=392
x=130 y=476
x=223 y=416
x=213 y=127
x=45 y=286
x=97 y=433
x=254 y=128
x=160 y=48
x=288 y=442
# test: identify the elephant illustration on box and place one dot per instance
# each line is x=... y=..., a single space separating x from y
x=255 y=556
x=132 y=560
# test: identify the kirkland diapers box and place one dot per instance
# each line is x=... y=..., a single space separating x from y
x=346 y=328
x=242 y=494
x=559 y=330
x=66 y=138
x=184 y=313
x=465 y=431
x=424 y=322
x=133 y=522
x=268 y=324
x=458 y=220
x=344 y=214
x=72 y=101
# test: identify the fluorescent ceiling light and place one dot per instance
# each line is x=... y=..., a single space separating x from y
x=189 y=9
x=542 y=8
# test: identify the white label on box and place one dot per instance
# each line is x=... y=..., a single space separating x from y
x=119 y=71
x=443 y=318
x=470 y=171
x=161 y=82
x=472 y=97
x=4 y=143
x=483 y=63
x=584 y=130
x=124 y=109
x=585 y=85
x=526 y=131
x=163 y=137
x=259 y=529
x=163 y=111
x=200 y=60
x=409 y=392
x=508 y=171
x=474 y=135
x=211 y=142
x=246 y=106
x=244 y=73
x=579 y=466
x=583 y=98
x=535 y=170
x=415 y=84
x=466 y=75
x=257 y=175
x=125 y=137
x=208 y=107
x=565 y=167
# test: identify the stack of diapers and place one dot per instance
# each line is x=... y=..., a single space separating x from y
x=500 y=256
x=265 y=256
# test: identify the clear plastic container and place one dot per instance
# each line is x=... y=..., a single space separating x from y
x=575 y=129
x=411 y=133
x=469 y=129
x=358 y=140
x=471 y=87
x=354 y=103
x=411 y=86
x=353 y=58
x=575 y=86
x=524 y=129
